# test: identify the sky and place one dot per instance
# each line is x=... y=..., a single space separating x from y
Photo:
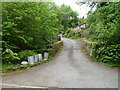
x=82 y=10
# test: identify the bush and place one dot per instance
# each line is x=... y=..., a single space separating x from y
x=71 y=34
x=9 y=56
x=103 y=28
x=109 y=54
x=24 y=54
x=76 y=36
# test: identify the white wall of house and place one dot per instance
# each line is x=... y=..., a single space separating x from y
x=79 y=28
x=83 y=26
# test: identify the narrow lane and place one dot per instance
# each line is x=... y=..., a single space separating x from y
x=70 y=69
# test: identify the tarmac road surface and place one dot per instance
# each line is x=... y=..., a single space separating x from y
x=70 y=69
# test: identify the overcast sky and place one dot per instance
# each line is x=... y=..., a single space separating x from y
x=82 y=10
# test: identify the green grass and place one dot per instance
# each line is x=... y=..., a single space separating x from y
x=6 y=65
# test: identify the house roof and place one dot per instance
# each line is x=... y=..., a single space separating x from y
x=81 y=24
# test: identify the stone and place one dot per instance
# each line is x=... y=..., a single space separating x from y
x=24 y=62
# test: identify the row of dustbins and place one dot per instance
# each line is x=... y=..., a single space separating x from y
x=36 y=58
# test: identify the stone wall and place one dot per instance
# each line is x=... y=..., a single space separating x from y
x=88 y=46
x=55 y=47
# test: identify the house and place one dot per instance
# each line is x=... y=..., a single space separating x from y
x=79 y=27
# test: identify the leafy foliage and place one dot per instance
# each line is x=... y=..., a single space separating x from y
x=69 y=17
x=70 y=33
x=24 y=54
x=103 y=27
x=10 y=57
x=30 y=25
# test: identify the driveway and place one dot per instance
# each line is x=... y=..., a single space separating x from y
x=70 y=69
